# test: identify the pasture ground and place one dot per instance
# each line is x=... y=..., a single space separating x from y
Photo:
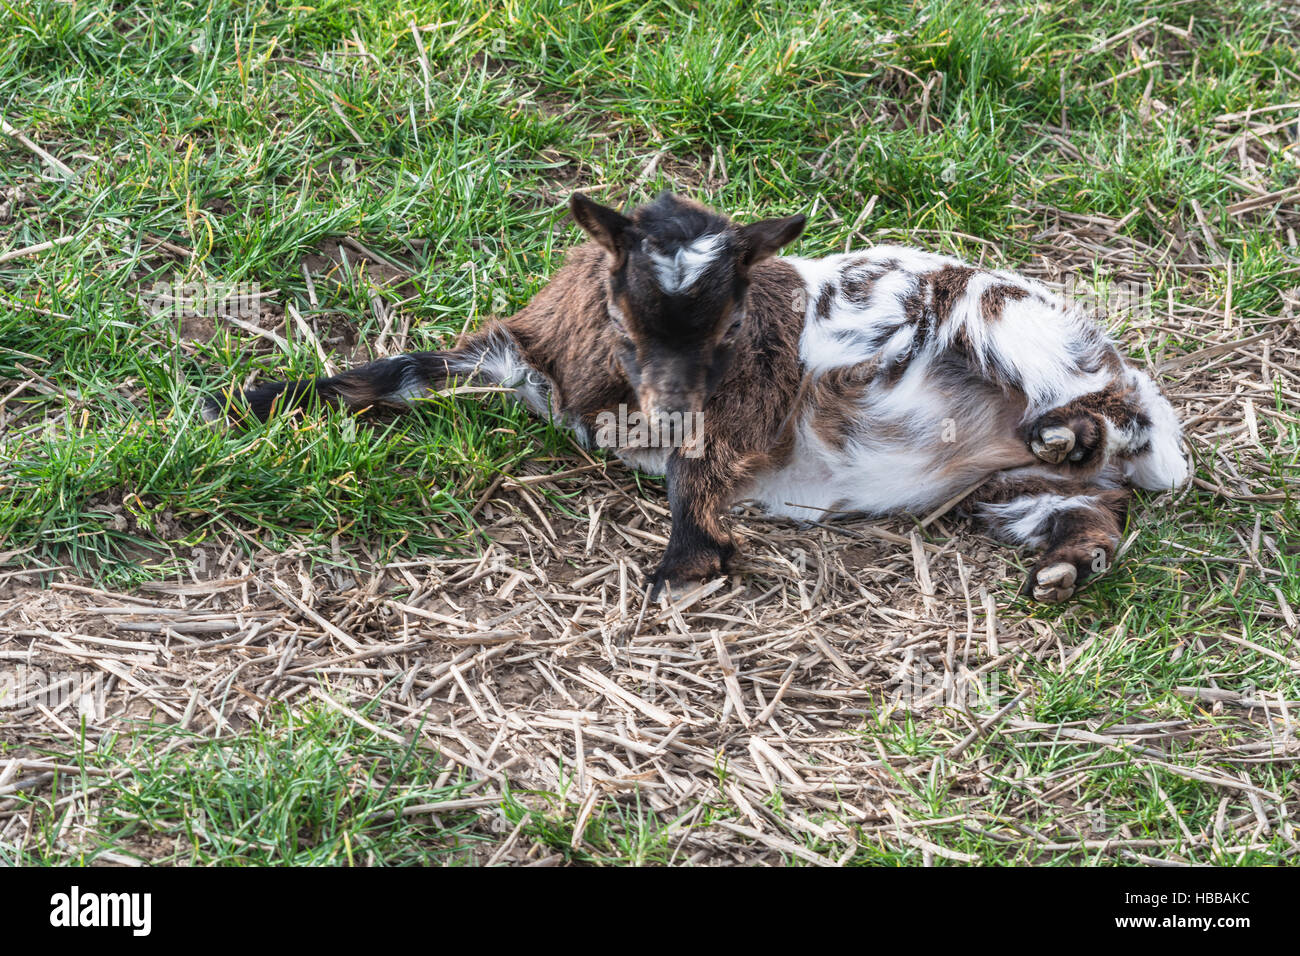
x=338 y=641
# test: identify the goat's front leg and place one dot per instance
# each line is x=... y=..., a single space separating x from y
x=491 y=355
x=699 y=491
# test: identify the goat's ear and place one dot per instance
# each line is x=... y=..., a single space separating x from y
x=605 y=225
x=760 y=240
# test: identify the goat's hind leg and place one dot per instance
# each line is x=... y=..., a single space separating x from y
x=1128 y=424
x=1086 y=430
x=1086 y=407
x=1076 y=523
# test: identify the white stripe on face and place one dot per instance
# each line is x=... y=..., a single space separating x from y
x=680 y=271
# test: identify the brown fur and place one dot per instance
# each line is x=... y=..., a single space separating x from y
x=996 y=297
x=565 y=332
x=1085 y=538
x=1087 y=416
x=859 y=276
x=825 y=299
x=947 y=285
x=833 y=402
x=743 y=418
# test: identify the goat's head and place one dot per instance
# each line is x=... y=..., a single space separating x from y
x=679 y=278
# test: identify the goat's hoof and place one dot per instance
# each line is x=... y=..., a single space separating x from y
x=1054 y=583
x=1053 y=444
x=682 y=571
x=675 y=584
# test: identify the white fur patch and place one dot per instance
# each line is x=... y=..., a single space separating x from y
x=501 y=364
x=1164 y=465
x=842 y=338
x=1024 y=519
x=1036 y=343
x=678 y=272
x=869 y=477
x=210 y=411
x=411 y=387
x=1037 y=340
x=652 y=461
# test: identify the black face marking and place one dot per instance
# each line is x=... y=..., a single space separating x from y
x=677 y=288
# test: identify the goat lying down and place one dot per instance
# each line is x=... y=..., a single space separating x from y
x=879 y=381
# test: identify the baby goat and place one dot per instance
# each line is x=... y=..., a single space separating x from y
x=879 y=381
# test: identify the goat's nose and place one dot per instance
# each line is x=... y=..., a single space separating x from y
x=675 y=403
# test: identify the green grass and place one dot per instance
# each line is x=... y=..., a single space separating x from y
x=256 y=134
x=246 y=160
x=309 y=788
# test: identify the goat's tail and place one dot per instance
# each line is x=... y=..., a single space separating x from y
x=391 y=383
